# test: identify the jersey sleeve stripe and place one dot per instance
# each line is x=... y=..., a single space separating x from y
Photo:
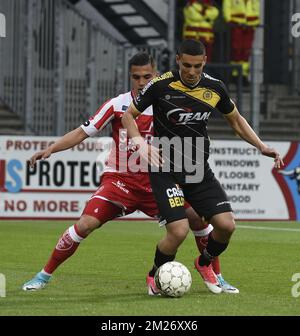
x=103 y=117
x=91 y=130
x=104 y=106
x=100 y=119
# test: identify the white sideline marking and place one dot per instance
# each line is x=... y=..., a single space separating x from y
x=266 y=228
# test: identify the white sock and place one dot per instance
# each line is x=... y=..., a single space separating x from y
x=204 y=232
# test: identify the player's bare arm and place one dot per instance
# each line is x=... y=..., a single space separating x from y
x=244 y=130
x=67 y=141
x=147 y=152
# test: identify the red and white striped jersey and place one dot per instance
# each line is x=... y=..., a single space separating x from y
x=112 y=112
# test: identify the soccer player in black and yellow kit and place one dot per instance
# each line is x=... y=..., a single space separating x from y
x=182 y=102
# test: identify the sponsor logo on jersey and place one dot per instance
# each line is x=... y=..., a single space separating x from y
x=168 y=97
x=181 y=116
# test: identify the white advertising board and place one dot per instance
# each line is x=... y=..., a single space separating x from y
x=59 y=187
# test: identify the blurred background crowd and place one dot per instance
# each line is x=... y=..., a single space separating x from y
x=60 y=59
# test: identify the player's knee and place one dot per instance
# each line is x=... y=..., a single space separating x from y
x=224 y=224
x=178 y=230
x=230 y=224
x=229 y=228
x=182 y=233
x=87 y=224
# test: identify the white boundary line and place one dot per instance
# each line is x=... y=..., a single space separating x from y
x=266 y=228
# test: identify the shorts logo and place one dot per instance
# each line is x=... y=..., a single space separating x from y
x=162 y=222
x=121 y=186
x=207 y=95
x=176 y=197
x=222 y=203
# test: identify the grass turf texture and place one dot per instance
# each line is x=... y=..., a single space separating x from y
x=106 y=276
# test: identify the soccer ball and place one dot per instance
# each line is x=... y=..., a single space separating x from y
x=173 y=279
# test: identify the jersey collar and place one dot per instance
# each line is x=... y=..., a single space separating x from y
x=187 y=85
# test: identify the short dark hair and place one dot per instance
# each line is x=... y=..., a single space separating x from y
x=140 y=59
x=191 y=47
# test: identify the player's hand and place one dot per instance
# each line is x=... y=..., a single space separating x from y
x=271 y=152
x=45 y=154
x=150 y=154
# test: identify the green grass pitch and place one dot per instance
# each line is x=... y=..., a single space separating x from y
x=106 y=276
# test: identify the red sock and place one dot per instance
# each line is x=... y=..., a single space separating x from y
x=216 y=265
x=201 y=236
x=201 y=242
x=65 y=247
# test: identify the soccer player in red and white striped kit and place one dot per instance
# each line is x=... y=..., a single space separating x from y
x=120 y=192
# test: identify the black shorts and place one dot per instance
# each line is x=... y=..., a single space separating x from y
x=207 y=198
